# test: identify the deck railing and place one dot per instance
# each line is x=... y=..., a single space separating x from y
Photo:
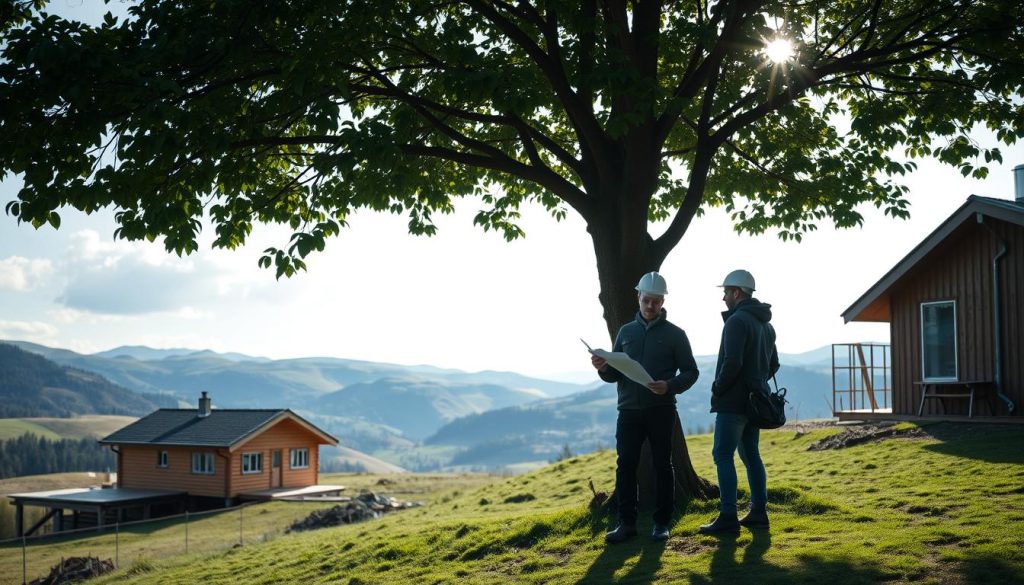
x=861 y=377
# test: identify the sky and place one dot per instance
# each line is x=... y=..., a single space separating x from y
x=463 y=299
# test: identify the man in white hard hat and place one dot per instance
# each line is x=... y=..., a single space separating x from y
x=648 y=412
x=747 y=359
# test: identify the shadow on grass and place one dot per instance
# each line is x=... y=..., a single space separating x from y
x=751 y=567
x=983 y=442
x=614 y=557
x=989 y=569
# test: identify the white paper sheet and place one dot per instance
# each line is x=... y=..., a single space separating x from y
x=629 y=367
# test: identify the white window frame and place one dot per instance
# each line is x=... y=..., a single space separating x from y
x=299 y=458
x=252 y=463
x=162 y=460
x=202 y=463
x=956 y=350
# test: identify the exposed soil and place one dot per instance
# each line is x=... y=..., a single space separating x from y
x=867 y=433
x=879 y=431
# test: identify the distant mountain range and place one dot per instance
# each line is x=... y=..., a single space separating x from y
x=371 y=407
x=33 y=386
x=418 y=417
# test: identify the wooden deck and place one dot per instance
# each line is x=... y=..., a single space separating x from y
x=319 y=492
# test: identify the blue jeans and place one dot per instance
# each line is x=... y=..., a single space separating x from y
x=655 y=425
x=732 y=433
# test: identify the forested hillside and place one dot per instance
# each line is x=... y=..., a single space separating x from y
x=33 y=386
x=33 y=455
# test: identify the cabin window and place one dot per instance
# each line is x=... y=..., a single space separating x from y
x=300 y=458
x=202 y=463
x=938 y=341
x=161 y=459
x=252 y=462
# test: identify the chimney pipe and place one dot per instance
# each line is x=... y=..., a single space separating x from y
x=204 y=406
x=1018 y=183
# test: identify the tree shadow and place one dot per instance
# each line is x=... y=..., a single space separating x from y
x=993 y=443
x=990 y=569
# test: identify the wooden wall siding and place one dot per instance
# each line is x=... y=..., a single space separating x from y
x=137 y=465
x=138 y=470
x=960 y=269
x=285 y=435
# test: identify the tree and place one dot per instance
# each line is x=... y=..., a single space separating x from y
x=625 y=113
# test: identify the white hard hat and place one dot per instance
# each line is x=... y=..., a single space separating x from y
x=652 y=283
x=739 y=279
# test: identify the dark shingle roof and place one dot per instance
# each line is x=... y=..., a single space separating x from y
x=222 y=428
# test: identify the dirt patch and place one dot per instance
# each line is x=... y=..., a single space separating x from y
x=75 y=570
x=689 y=546
x=869 y=433
x=878 y=431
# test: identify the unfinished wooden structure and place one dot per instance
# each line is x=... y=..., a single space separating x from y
x=956 y=323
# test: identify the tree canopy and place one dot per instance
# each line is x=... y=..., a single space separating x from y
x=625 y=113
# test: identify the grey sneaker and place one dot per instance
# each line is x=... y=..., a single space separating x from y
x=660 y=531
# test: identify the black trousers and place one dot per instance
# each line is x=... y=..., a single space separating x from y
x=654 y=425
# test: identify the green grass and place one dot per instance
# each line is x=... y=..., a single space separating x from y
x=12 y=428
x=939 y=510
x=94 y=426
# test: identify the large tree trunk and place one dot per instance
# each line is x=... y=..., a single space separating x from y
x=689 y=485
x=620 y=265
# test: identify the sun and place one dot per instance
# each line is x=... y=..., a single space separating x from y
x=778 y=50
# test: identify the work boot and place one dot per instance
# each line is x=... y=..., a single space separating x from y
x=660 y=531
x=622 y=533
x=755 y=519
x=723 y=524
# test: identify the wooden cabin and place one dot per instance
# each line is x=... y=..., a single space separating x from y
x=218 y=453
x=956 y=321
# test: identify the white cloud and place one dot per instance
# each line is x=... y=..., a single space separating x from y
x=22 y=274
x=136 y=278
x=65 y=316
x=26 y=330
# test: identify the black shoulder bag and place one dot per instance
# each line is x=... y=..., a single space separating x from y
x=767 y=410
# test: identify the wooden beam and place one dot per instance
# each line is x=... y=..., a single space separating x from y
x=42 y=521
x=866 y=377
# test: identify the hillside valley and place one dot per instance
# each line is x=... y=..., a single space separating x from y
x=929 y=504
x=414 y=417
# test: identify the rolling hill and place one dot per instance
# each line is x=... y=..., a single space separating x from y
x=540 y=431
x=422 y=417
x=33 y=386
x=942 y=504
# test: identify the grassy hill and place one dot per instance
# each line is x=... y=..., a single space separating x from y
x=94 y=426
x=942 y=505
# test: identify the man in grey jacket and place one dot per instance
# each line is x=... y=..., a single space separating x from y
x=747 y=359
x=648 y=412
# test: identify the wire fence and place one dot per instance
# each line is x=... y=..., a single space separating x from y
x=138 y=543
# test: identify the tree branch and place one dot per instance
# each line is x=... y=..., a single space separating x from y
x=581 y=115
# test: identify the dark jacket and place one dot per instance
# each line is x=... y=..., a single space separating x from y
x=663 y=350
x=747 y=357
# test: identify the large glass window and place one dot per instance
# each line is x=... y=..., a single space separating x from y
x=202 y=463
x=938 y=341
x=252 y=462
x=300 y=458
